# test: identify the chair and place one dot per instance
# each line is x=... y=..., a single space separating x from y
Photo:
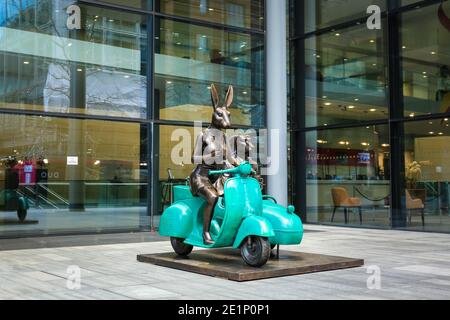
x=341 y=199
x=414 y=205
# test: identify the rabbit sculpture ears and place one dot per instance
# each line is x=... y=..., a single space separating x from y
x=215 y=97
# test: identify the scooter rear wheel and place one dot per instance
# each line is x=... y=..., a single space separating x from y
x=180 y=247
x=255 y=251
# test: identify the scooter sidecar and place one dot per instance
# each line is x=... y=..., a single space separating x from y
x=287 y=225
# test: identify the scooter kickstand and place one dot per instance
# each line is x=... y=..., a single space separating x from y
x=278 y=252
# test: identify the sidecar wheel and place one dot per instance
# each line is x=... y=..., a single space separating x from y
x=180 y=247
x=255 y=251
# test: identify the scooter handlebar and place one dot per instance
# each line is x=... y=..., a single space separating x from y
x=243 y=169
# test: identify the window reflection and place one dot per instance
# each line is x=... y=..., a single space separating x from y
x=322 y=13
x=348 y=169
x=140 y=4
x=426 y=60
x=98 y=70
x=345 y=77
x=189 y=58
x=76 y=174
x=237 y=13
x=427 y=175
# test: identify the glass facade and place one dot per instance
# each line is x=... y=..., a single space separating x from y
x=370 y=113
x=92 y=93
x=189 y=58
x=346 y=77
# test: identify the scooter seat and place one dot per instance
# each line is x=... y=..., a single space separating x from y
x=181 y=193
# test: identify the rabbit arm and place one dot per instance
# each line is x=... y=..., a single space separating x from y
x=231 y=158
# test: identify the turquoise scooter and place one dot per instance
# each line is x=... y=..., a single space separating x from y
x=243 y=218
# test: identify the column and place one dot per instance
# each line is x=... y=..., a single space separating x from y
x=276 y=93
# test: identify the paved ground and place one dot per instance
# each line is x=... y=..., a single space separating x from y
x=412 y=265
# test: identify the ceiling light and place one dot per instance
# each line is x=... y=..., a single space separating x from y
x=26 y=62
x=446 y=119
x=351 y=107
x=356 y=99
x=210 y=9
x=365 y=144
x=433 y=52
x=403 y=47
x=373 y=110
x=372 y=41
x=169 y=82
x=440 y=133
x=97 y=162
x=337 y=34
x=412 y=115
x=79 y=70
x=431 y=132
x=324 y=97
x=69 y=44
x=385 y=145
x=244 y=92
x=328 y=103
x=111 y=20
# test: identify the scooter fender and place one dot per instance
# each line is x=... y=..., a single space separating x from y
x=253 y=226
x=177 y=220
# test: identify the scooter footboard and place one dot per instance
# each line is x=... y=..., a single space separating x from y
x=253 y=226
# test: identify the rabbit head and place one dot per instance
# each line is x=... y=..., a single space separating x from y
x=221 y=118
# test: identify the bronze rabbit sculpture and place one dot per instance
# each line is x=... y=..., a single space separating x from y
x=210 y=153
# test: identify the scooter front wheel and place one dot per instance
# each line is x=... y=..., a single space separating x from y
x=180 y=247
x=255 y=251
x=22 y=214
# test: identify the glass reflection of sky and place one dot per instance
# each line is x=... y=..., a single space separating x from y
x=11 y=8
